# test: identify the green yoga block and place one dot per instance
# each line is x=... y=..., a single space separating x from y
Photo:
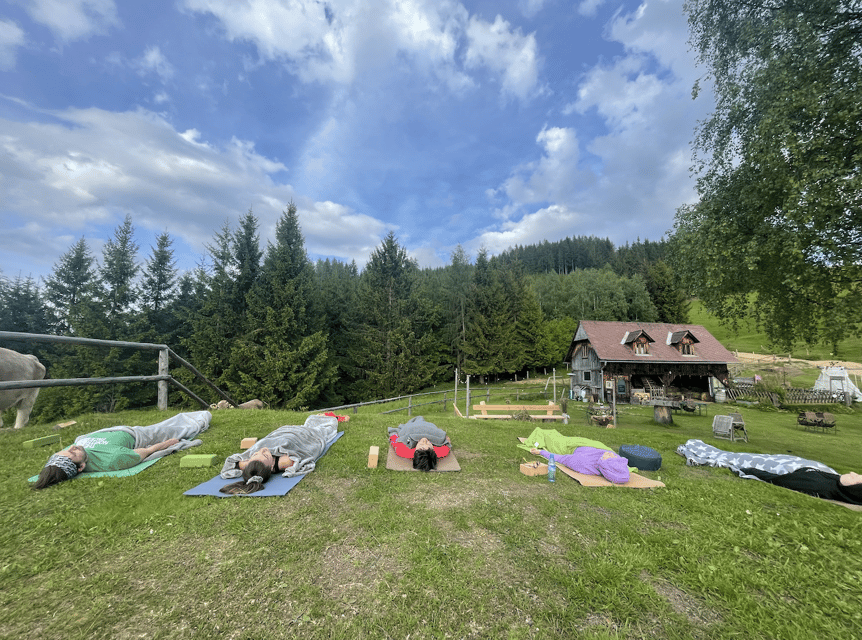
x=41 y=442
x=198 y=460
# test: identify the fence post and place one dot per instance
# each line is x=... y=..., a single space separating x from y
x=163 y=384
x=488 y=395
x=409 y=406
x=445 y=396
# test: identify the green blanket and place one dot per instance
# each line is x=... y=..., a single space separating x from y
x=553 y=441
x=122 y=473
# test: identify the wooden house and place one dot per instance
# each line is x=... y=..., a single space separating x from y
x=621 y=359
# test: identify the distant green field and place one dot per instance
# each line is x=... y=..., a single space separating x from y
x=748 y=338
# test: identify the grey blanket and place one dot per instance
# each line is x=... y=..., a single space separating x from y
x=697 y=452
x=412 y=431
x=183 y=426
x=305 y=443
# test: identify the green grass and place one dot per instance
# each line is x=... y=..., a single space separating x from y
x=353 y=552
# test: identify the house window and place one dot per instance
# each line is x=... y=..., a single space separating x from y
x=587 y=376
x=684 y=342
x=642 y=348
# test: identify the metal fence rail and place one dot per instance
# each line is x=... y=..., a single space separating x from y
x=162 y=378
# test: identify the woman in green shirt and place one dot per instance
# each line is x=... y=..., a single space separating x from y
x=118 y=448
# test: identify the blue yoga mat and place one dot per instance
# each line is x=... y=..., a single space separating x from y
x=277 y=485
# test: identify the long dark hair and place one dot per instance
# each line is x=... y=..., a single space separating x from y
x=425 y=460
x=253 y=468
x=49 y=475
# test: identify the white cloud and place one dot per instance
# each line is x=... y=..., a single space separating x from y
x=622 y=93
x=154 y=61
x=553 y=177
x=629 y=180
x=529 y=8
x=555 y=221
x=589 y=8
x=658 y=29
x=72 y=20
x=343 y=40
x=505 y=52
x=90 y=167
x=11 y=37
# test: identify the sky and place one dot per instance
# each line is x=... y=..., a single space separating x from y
x=485 y=124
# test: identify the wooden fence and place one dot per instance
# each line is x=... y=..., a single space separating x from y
x=791 y=396
x=162 y=378
x=472 y=395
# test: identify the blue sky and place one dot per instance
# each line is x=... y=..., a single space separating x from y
x=484 y=124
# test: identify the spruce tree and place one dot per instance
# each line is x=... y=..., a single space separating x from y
x=220 y=317
x=71 y=284
x=118 y=271
x=22 y=308
x=159 y=277
x=282 y=358
x=490 y=337
x=392 y=347
x=337 y=289
x=456 y=292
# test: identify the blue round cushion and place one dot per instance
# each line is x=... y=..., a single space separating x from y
x=644 y=458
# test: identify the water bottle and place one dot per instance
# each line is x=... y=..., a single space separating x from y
x=552 y=469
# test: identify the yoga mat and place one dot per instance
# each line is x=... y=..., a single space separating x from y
x=395 y=462
x=277 y=485
x=122 y=473
x=635 y=481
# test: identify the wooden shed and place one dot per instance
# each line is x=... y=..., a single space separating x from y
x=623 y=358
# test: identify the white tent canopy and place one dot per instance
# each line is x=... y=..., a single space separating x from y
x=836 y=379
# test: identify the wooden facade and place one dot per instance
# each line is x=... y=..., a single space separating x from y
x=621 y=358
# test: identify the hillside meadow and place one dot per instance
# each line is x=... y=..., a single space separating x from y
x=747 y=337
x=486 y=552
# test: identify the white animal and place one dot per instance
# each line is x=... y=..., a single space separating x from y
x=18 y=366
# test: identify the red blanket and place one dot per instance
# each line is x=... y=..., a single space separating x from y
x=404 y=451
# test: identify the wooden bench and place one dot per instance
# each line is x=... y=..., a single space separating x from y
x=550 y=411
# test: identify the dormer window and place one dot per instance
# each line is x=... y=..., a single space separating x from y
x=684 y=342
x=638 y=341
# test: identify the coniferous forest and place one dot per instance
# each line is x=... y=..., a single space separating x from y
x=268 y=323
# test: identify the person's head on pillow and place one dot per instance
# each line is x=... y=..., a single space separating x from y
x=254 y=476
x=424 y=456
x=63 y=465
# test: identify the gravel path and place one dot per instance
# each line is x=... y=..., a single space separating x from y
x=853 y=368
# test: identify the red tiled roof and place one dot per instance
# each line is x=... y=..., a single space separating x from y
x=607 y=339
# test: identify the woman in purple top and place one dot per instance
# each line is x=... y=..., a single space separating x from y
x=593 y=462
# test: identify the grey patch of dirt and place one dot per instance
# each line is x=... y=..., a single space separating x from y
x=683 y=604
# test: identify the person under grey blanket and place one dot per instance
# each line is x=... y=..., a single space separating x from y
x=421 y=435
x=291 y=450
x=118 y=448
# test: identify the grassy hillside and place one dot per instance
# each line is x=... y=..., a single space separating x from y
x=748 y=338
x=354 y=553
